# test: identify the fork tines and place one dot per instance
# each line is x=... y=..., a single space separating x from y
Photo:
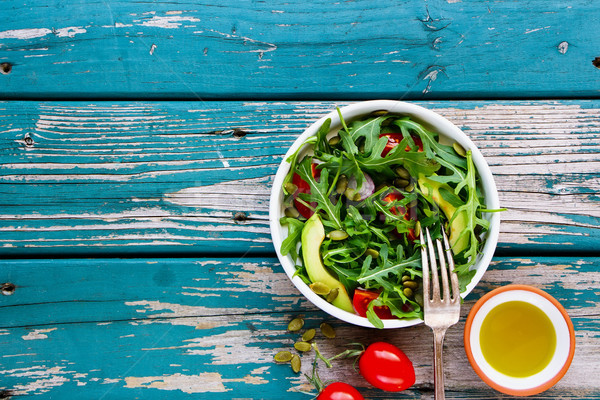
x=446 y=261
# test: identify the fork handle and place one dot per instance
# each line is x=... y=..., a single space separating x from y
x=438 y=363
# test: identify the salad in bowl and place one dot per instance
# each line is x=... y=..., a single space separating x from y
x=354 y=192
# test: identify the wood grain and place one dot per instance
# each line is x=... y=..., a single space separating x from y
x=117 y=178
x=157 y=328
x=290 y=50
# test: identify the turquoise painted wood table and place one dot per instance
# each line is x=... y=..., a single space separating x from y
x=138 y=145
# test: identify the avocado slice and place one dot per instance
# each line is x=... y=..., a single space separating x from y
x=313 y=234
x=459 y=224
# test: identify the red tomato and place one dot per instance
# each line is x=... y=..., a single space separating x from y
x=395 y=138
x=386 y=367
x=339 y=391
x=361 y=301
x=411 y=214
x=304 y=187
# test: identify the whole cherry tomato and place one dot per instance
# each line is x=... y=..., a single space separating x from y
x=386 y=367
x=339 y=391
x=304 y=187
x=361 y=300
x=395 y=138
x=411 y=214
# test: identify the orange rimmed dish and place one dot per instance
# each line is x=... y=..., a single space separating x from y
x=519 y=340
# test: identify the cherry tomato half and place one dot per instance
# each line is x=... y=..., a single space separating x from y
x=411 y=214
x=304 y=187
x=339 y=391
x=386 y=367
x=395 y=138
x=361 y=301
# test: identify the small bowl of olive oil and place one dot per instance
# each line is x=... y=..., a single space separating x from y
x=519 y=340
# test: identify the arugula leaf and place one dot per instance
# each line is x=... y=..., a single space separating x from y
x=290 y=243
x=431 y=146
x=318 y=193
x=321 y=144
x=414 y=162
x=293 y=160
x=368 y=129
x=387 y=267
x=471 y=207
x=372 y=316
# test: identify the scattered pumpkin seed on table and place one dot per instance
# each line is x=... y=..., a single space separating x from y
x=302 y=346
x=309 y=335
x=296 y=363
x=327 y=330
x=295 y=325
x=283 y=356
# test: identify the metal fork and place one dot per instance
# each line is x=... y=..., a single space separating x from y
x=443 y=311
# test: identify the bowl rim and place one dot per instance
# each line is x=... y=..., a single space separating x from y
x=445 y=128
x=469 y=350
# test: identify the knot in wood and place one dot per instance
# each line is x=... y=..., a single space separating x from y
x=8 y=288
x=239 y=133
x=28 y=141
x=5 y=68
x=240 y=217
x=596 y=62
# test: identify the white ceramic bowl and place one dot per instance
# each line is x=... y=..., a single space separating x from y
x=431 y=120
x=565 y=341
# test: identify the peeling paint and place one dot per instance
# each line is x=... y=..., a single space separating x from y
x=528 y=31
x=70 y=31
x=38 y=334
x=25 y=33
x=169 y=22
x=201 y=383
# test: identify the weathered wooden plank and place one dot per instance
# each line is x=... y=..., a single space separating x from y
x=170 y=327
x=283 y=49
x=109 y=178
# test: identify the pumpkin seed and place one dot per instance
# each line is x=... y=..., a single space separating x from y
x=403 y=173
x=291 y=212
x=290 y=188
x=327 y=330
x=295 y=325
x=337 y=235
x=413 y=203
x=342 y=184
x=302 y=346
x=418 y=229
x=411 y=285
x=320 y=288
x=296 y=363
x=333 y=295
x=410 y=187
x=419 y=298
x=357 y=197
x=309 y=334
x=379 y=113
x=401 y=183
x=334 y=140
x=283 y=357
x=405 y=278
x=459 y=149
x=350 y=193
x=407 y=292
x=372 y=252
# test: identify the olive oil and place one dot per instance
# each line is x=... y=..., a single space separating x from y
x=517 y=339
